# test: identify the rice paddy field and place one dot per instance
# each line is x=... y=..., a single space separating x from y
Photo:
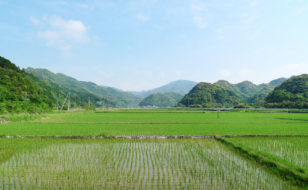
x=122 y=164
x=160 y=123
x=92 y=150
x=293 y=150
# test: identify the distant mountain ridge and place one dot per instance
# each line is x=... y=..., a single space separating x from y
x=179 y=86
x=223 y=93
x=116 y=98
x=168 y=99
x=210 y=95
x=39 y=90
x=292 y=93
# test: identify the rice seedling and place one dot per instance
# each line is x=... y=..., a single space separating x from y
x=131 y=123
x=132 y=164
x=293 y=150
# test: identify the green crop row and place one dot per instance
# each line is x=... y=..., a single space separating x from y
x=284 y=156
x=156 y=123
x=124 y=164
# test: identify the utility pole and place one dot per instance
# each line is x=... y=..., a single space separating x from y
x=69 y=102
x=57 y=102
x=67 y=98
x=89 y=102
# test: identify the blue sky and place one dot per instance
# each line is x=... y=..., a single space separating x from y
x=141 y=44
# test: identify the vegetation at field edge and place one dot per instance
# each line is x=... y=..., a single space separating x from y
x=277 y=165
x=126 y=164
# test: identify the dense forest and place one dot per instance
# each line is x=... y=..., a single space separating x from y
x=224 y=94
x=210 y=95
x=19 y=92
x=292 y=93
x=168 y=99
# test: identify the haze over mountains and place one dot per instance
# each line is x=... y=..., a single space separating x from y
x=180 y=86
x=117 y=97
x=37 y=90
x=168 y=99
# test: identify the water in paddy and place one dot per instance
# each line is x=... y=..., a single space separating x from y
x=113 y=164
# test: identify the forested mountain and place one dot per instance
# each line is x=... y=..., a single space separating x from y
x=247 y=88
x=19 y=92
x=180 y=86
x=38 y=90
x=112 y=96
x=210 y=95
x=168 y=99
x=205 y=94
x=293 y=93
x=264 y=90
x=231 y=87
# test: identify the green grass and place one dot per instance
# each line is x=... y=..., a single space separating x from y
x=293 y=150
x=130 y=164
x=151 y=164
x=159 y=122
x=284 y=156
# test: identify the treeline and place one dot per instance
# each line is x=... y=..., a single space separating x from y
x=280 y=93
x=21 y=91
x=18 y=92
x=293 y=93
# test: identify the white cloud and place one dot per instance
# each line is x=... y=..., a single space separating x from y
x=61 y=33
x=199 y=14
x=142 y=17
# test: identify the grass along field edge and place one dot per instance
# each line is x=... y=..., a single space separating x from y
x=148 y=137
x=295 y=175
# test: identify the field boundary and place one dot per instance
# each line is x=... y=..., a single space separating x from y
x=150 y=137
x=157 y=123
x=289 y=173
x=293 y=119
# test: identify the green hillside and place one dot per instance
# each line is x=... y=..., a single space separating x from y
x=223 y=93
x=161 y=99
x=19 y=92
x=210 y=95
x=111 y=96
x=231 y=87
x=264 y=90
x=247 y=88
x=180 y=86
x=293 y=93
